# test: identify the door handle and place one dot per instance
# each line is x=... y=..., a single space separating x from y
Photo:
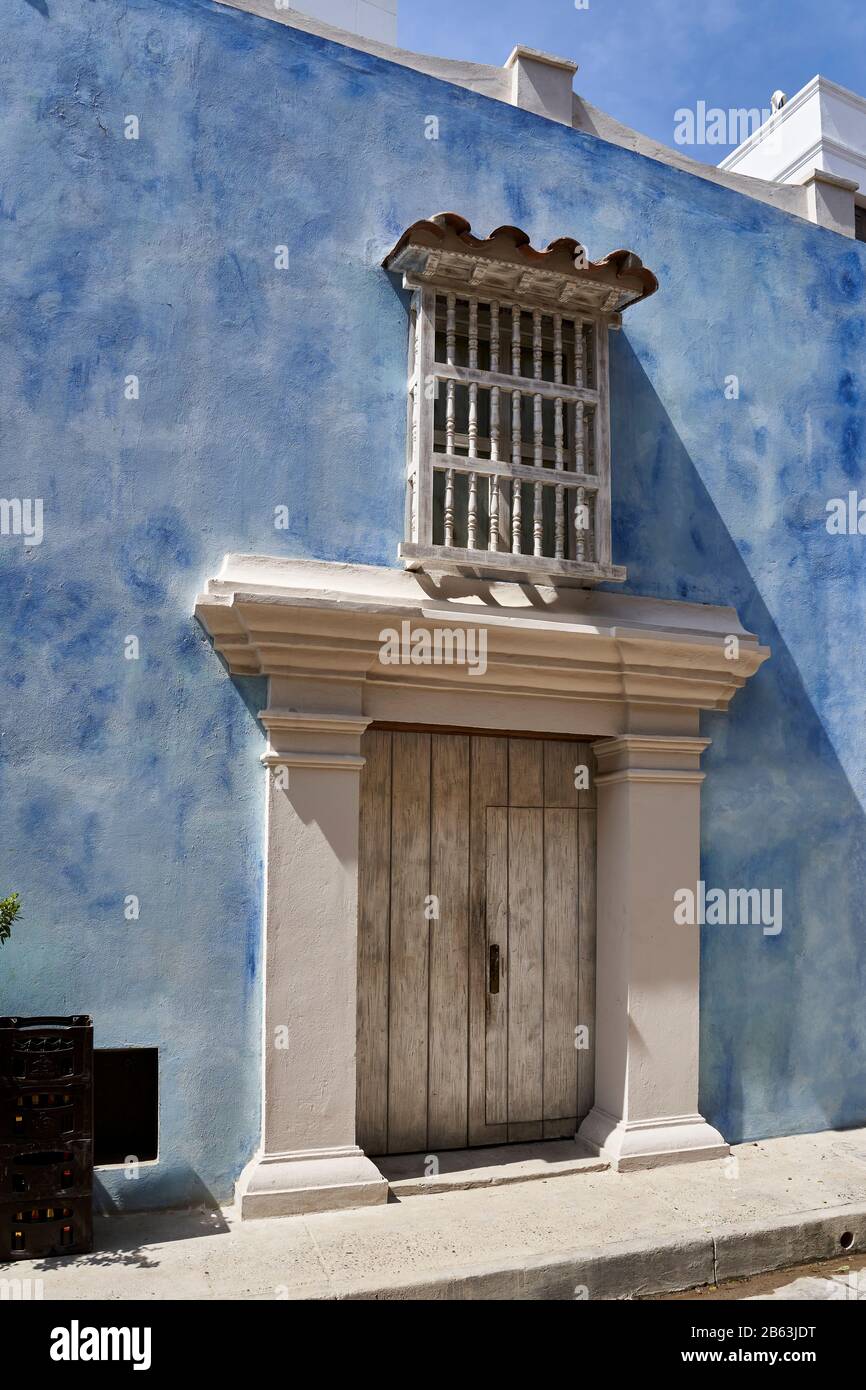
x=493 y=970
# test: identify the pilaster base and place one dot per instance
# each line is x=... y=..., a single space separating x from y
x=635 y=1144
x=292 y=1184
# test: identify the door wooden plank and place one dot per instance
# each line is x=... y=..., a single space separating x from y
x=525 y=965
x=374 y=891
x=561 y=954
x=525 y=1133
x=489 y=787
x=587 y=758
x=525 y=772
x=560 y=1129
x=496 y=1112
x=410 y=884
x=448 y=1042
x=560 y=761
x=586 y=976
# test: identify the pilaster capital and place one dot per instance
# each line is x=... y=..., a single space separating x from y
x=313 y=739
x=649 y=758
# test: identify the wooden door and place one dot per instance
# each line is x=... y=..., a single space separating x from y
x=477 y=859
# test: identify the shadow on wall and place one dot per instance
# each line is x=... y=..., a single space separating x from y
x=778 y=809
x=180 y=1187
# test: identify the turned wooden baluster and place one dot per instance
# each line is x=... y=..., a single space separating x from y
x=580 y=505
x=538 y=438
x=417 y=398
x=472 y=522
x=580 y=526
x=559 y=455
x=516 y=434
x=493 y=538
x=450 y=338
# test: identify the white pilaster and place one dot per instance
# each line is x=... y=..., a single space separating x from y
x=309 y=1160
x=646 y=1090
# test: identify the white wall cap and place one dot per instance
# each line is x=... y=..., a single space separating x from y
x=824 y=176
x=535 y=55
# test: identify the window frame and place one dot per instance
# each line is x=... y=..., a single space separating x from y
x=441 y=256
x=423 y=460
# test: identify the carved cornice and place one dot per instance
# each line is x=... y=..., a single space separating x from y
x=443 y=249
x=316 y=620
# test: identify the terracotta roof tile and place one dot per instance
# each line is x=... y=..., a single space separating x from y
x=443 y=248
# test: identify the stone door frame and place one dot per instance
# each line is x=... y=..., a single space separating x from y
x=637 y=672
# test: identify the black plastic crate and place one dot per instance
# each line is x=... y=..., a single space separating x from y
x=51 y=1226
x=43 y=1050
x=46 y=1115
x=33 y=1171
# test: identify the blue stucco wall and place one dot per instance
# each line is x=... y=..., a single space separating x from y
x=262 y=387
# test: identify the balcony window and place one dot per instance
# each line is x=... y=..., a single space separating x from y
x=508 y=454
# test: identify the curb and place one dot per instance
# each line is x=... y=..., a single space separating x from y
x=636 y=1269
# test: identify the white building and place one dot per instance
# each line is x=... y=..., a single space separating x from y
x=372 y=19
x=821 y=129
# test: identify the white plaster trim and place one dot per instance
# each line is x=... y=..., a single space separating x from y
x=295 y=721
x=520 y=50
x=629 y=1145
x=650 y=743
x=649 y=758
x=318 y=620
x=777 y=119
x=649 y=774
x=834 y=180
x=292 y=1184
x=308 y=1155
x=827 y=86
x=349 y=761
x=808 y=160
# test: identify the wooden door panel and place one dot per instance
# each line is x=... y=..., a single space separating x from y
x=495 y=829
x=525 y=965
x=561 y=958
x=489 y=787
x=448 y=1045
x=586 y=977
x=409 y=974
x=374 y=893
x=497 y=937
x=525 y=772
x=560 y=761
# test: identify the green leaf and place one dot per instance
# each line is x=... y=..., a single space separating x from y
x=10 y=908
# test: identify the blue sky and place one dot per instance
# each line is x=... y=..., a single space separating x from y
x=642 y=59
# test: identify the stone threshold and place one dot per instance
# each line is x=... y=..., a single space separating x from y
x=462 y=1170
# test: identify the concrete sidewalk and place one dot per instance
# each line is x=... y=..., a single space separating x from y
x=597 y=1235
